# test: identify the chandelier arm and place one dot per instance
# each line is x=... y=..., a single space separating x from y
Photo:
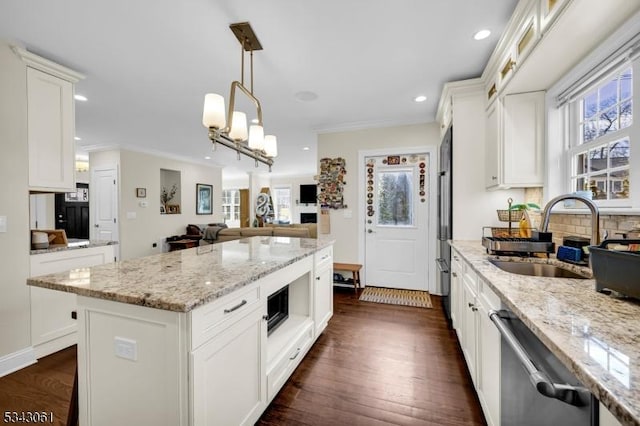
x=218 y=137
x=232 y=101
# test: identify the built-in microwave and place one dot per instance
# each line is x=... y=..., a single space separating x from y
x=277 y=309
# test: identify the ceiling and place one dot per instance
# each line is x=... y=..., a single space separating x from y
x=148 y=65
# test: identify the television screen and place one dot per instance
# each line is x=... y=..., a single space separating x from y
x=308 y=194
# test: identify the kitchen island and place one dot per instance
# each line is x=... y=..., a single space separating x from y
x=181 y=338
x=596 y=336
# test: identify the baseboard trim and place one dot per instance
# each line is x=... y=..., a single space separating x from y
x=16 y=361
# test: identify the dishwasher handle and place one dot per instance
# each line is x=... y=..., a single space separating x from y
x=572 y=395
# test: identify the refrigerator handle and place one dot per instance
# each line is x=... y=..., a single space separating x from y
x=442 y=265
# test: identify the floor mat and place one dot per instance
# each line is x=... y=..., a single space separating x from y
x=394 y=296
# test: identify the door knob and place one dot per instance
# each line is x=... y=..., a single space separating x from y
x=369 y=231
x=96 y=226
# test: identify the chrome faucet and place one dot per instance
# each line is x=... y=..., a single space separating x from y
x=595 y=215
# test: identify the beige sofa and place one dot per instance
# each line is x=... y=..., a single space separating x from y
x=298 y=230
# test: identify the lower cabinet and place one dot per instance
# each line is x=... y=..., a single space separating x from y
x=229 y=374
x=53 y=323
x=323 y=289
x=479 y=339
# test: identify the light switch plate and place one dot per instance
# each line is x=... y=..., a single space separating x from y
x=125 y=348
x=3 y=224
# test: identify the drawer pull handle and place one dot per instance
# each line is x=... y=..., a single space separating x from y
x=295 y=356
x=326 y=256
x=454 y=275
x=238 y=306
x=318 y=278
x=471 y=305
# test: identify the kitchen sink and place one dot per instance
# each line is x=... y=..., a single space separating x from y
x=535 y=269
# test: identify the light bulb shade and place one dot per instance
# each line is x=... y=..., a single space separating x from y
x=256 y=137
x=213 y=112
x=271 y=146
x=238 y=130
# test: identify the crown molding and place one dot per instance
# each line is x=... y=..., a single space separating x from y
x=45 y=65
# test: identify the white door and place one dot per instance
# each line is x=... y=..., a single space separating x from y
x=105 y=204
x=396 y=221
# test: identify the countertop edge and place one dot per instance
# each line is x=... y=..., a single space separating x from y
x=621 y=410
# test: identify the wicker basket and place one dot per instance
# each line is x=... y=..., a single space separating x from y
x=516 y=215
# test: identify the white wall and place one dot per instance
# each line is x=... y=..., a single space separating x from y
x=15 y=243
x=473 y=206
x=295 y=182
x=347 y=145
x=141 y=170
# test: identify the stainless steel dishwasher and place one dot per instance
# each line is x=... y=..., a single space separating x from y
x=536 y=388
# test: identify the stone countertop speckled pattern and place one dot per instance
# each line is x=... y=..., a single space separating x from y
x=60 y=247
x=596 y=336
x=182 y=280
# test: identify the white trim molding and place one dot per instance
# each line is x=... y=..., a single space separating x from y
x=17 y=360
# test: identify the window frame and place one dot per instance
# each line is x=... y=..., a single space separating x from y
x=573 y=147
x=233 y=206
x=276 y=202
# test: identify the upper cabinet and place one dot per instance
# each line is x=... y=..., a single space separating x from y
x=514 y=136
x=50 y=124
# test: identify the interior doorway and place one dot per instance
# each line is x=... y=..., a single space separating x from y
x=72 y=212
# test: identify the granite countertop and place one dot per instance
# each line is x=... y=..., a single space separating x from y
x=73 y=246
x=596 y=336
x=182 y=280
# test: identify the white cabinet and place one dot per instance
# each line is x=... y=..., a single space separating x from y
x=488 y=359
x=472 y=299
x=323 y=289
x=456 y=292
x=606 y=418
x=52 y=326
x=50 y=123
x=229 y=383
x=469 y=322
x=515 y=141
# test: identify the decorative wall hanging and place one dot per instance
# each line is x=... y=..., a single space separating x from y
x=331 y=183
x=370 y=164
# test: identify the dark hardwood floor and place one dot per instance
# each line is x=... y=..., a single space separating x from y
x=374 y=365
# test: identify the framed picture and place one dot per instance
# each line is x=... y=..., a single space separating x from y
x=141 y=192
x=203 y=198
x=173 y=209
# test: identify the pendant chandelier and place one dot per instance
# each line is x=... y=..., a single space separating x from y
x=231 y=131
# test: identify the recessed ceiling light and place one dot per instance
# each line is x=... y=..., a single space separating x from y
x=482 y=34
x=306 y=96
x=77 y=138
x=420 y=98
x=306 y=148
x=207 y=158
x=80 y=98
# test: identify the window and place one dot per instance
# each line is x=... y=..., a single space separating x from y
x=601 y=130
x=282 y=201
x=395 y=200
x=231 y=207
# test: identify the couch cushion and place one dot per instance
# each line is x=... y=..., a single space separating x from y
x=251 y=232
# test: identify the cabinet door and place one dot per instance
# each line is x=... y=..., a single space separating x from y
x=456 y=293
x=50 y=113
x=323 y=297
x=229 y=376
x=492 y=144
x=523 y=161
x=469 y=330
x=488 y=384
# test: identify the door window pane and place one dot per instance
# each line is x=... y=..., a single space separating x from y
x=395 y=198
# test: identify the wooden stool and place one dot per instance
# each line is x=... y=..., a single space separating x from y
x=354 y=268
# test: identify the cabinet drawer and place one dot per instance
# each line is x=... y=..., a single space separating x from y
x=323 y=257
x=288 y=361
x=487 y=296
x=211 y=319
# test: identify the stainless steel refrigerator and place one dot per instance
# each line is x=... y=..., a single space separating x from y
x=445 y=219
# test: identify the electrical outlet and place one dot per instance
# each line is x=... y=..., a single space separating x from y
x=126 y=348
